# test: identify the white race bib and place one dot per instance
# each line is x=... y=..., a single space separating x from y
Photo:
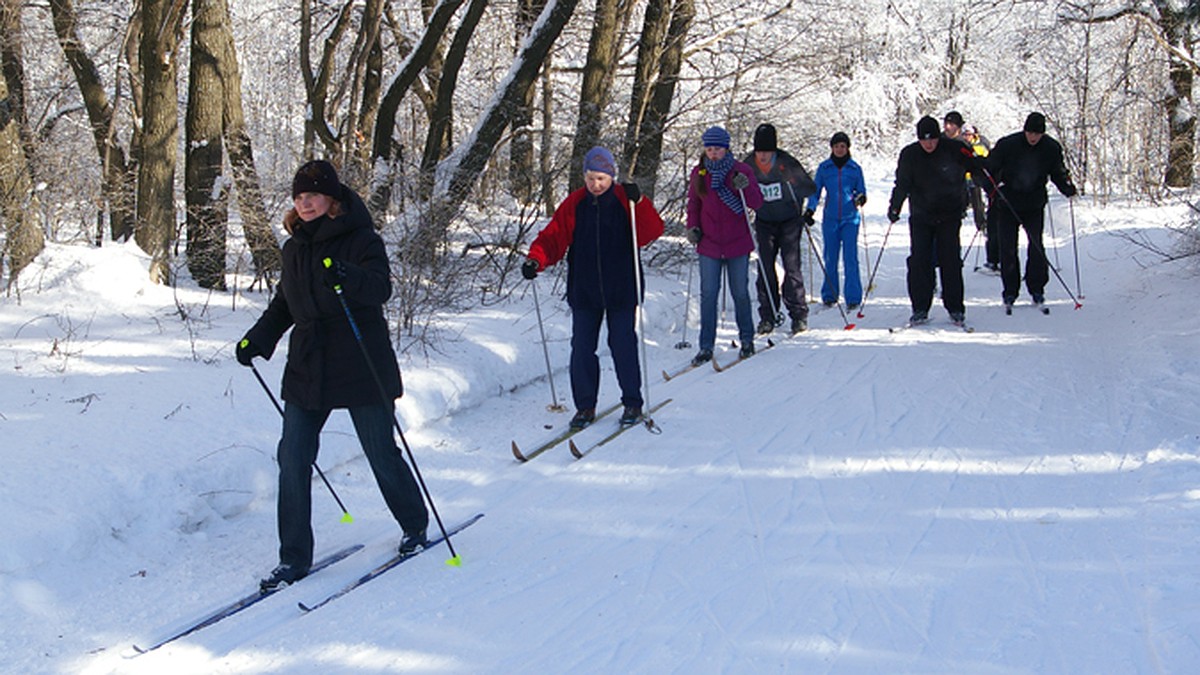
x=771 y=192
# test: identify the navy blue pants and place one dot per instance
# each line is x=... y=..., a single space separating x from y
x=622 y=343
x=296 y=454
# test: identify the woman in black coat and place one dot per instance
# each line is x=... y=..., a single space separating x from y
x=325 y=367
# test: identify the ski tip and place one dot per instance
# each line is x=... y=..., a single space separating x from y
x=574 y=449
x=347 y=518
x=517 y=453
x=666 y=376
x=304 y=608
x=456 y=561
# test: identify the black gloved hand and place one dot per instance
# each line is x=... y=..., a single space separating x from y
x=694 y=235
x=246 y=350
x=632 y=191
x=334 y=272
x=1070 y=191
x=860 y=200
x=740 y=181
x=893 y=214
x=529 y=269
x=807 y=217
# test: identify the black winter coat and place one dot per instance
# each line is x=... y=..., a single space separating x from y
x=1021 y=169
x=325 y=366
x=933 y=182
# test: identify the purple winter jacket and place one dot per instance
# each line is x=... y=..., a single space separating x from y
x=726 y=234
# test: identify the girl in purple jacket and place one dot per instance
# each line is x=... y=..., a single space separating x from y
x=720 y=190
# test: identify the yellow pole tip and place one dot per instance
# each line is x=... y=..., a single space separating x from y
x=456 y=561
x=328 y=262
x=347 y=518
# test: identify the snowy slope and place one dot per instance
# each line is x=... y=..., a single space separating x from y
x=1022 y=499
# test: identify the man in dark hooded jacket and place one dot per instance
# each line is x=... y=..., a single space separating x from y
x=1020 y=163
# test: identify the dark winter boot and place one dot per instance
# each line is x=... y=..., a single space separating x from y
x=746 y=351
x=583 y=417
x=281 y=576
x=958 y=318
x=799 y=325
x=919 y=318
x=701 y=357
x=631 y=416
x=765 y=326
x=413 y=542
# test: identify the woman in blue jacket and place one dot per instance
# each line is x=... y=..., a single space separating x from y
x=845 y=193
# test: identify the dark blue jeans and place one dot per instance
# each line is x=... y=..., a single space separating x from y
x=622 y=343
x=298 y=450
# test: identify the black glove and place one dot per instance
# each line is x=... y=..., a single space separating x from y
x=246 y=350
x=893 y=214
x=860 y=200
x=1069 y=190
x=740 y=181
x=694 y=235
x=334 y=273
x=529 y=269
x=632 y=191
x=807 y=218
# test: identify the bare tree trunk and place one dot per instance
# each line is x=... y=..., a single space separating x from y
x=442 y=113
x=207 y=202
x=382 y=149
x=1181 y=117
x=264 y=247
x=546 y=155
x=520 y=149
x=156 y=227
x=117 y=186
x=24 y=240
x=598 y=73
x=13 y=68
x=651 y=107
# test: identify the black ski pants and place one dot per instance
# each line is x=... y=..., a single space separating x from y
x=780 y=239
x=935 y=236
x=1037 y=270
x=622 y=343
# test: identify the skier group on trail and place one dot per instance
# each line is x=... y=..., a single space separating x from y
x=767 y=202
x=336 y=278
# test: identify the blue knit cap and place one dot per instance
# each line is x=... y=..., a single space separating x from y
x=601 y=160
x=715 y=137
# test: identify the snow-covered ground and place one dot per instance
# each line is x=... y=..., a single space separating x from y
x=1021 y=499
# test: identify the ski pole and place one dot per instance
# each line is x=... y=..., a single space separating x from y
x=554 y=404
x=1050 y=213
x=878 y=259
x=762 y=268
x=637 y=307
x=454 y=560
x=687 y=306
x=970 y=245
x=1034 y=246
x=346 y=517
x=1075 y=247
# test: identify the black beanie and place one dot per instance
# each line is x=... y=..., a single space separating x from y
x=839 y=137
x=954 y=117
x=765 y=139
x=928 y=128
x=316 y=176
x=1036 y=122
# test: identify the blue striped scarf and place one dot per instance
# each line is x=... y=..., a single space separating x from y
x=719 y=170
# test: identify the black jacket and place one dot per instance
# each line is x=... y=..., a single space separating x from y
x=934 y=183
x=325 y=365
x=1021 y=169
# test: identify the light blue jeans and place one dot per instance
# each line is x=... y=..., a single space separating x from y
x=737 y=272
